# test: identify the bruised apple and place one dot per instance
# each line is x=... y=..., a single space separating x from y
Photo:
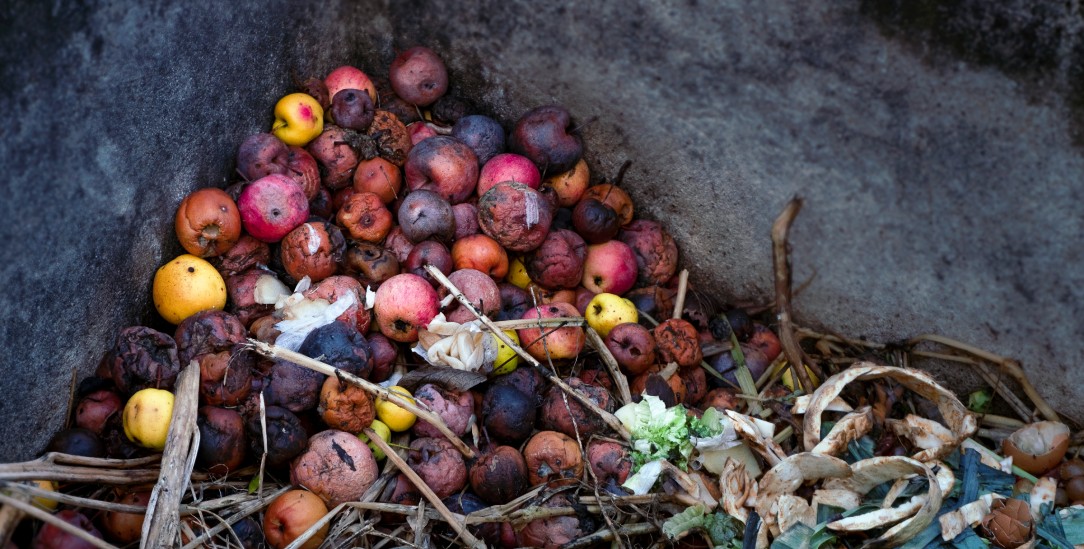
x=444 y=165
x=207 y=222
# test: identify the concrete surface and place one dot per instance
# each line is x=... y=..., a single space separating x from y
x=934 y=143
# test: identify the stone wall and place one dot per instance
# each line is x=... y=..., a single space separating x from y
x=935 y=143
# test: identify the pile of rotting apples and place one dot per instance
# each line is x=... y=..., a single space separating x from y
x=398 y=280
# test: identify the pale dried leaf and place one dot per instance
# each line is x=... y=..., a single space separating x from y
x=844 y=499
x=960 y=421
x=894 y=492
x=946 y=479
x=922 y=432
x=786 y=477
x=801 y=403
x=794 y=510
x=692 y=485
x=714 y=461
x=849 y=428
x=879 y=518
x=967 y=516
x=758 y=434
x=987 y=457
x=869 y=473
x=738 y=489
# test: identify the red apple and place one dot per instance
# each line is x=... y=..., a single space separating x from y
x=272 y=206
x=478 y=251
x=349 y=78
x=508 y=167
x=569 y=186
x=404 y=303
x=290 y=515
x=420 y=131
x=444 y=165
x=418 y=75
x=557 y=343
x=479 y=289
x=610 y=267
x=380 y=177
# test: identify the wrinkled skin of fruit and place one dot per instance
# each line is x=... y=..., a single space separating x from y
x=142 y=358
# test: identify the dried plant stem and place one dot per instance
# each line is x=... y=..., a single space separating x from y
x=622 y=382
x=37 y=470
x=781 y=267
x=811 y=334
x=989 y=377
x=455 y=522
x=32 y=491
x=68 y=459
x=607 y=417
x=243 y=511
x=1003 y=422
x=274 y=351
x=536 y=322
x=1008 y=366
x=607 y=534
x=160 y=528
x=683 y=288
x=1004 y=392
x=11 y=516
x=49 y=518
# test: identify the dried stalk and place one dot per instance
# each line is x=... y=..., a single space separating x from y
x=276 y=352
x=1005 y=393
x=455 y=522
x=160 y=529
x=1008 y=366
x=32 y=491
x=536 y=322
x=607 y=417
x=53 y=520
x=781 y=267
x=682 y=289
x=11 y=516
x=996 y=383
x=612 y=366
x=243 y=511
x=606 y=534
x=37 y=470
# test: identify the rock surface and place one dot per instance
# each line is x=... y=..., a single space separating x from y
x=936 y=145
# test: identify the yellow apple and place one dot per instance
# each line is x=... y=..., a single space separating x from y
x=507 y=359
x=517 y=273
x=298 y=119
x=605 y=311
